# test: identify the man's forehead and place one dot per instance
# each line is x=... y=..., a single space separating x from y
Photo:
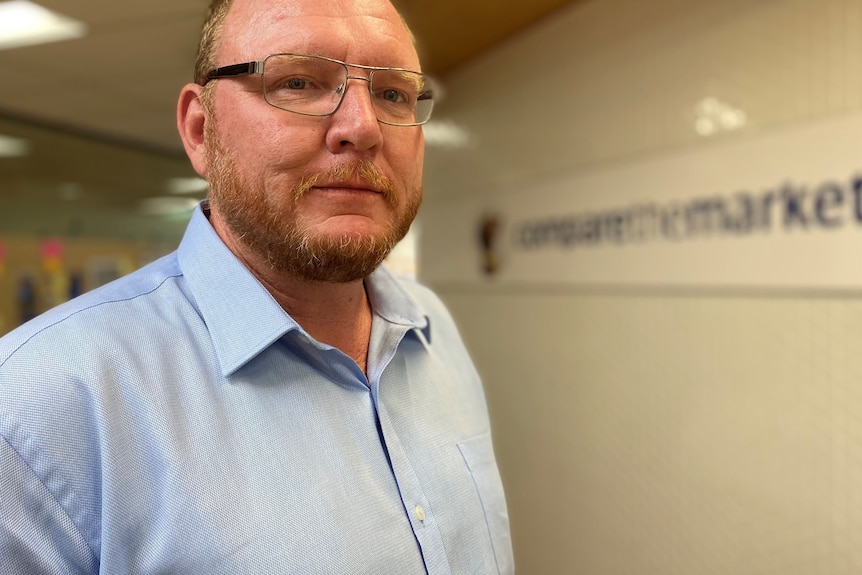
x=251 y=13
x=279 y=25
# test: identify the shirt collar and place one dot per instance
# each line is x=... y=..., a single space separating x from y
x=242 y=316
x=391 y=301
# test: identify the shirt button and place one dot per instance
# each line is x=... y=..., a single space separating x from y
x=420 y=513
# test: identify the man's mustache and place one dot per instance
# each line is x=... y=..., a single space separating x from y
x=368 y=173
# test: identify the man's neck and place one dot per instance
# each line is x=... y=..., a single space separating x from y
x=336 y=314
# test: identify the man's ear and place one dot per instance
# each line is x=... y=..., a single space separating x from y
x=190 y=123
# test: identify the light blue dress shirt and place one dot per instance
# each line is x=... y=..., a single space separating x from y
x=178 y=421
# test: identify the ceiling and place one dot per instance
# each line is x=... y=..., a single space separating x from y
x=117 y=89
x=122 y=79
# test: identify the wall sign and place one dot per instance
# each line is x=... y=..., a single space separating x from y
x=777 y=210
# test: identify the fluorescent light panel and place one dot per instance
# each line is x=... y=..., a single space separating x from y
x=187 y=185
x=166 y=206
x=24 y=23
x=13 y=147
x=447 y=134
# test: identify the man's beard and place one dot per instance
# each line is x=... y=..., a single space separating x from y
x=276 y=233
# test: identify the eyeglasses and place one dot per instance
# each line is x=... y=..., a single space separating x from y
x=315 y=86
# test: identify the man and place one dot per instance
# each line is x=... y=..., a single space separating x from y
x=264 y=400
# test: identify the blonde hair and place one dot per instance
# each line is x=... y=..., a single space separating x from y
x=210 y=36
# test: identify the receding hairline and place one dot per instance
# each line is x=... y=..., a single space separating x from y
x=211 y=36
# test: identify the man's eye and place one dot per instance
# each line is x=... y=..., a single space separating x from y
x=392 y=95
x=295 y=83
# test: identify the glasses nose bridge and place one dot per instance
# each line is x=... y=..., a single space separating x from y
x=363 y=78
x=342 y=90
x=369 y=69
x=348 y=76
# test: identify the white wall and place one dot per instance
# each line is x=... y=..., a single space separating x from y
x=652 y=430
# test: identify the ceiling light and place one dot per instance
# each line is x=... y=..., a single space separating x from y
x=181 y=186
x=13 y=147
x=166 y=206
x=70 y=191
x=732 y=119
x=714 y=116
x=445 y=133
x=705 y=127
x=24 y=23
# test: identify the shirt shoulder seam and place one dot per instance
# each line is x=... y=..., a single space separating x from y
x=82 y=310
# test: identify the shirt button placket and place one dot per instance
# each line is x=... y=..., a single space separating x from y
x=425 y=528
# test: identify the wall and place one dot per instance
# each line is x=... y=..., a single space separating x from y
x=658 y=429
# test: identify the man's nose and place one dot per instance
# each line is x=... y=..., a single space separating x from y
x=354 y=124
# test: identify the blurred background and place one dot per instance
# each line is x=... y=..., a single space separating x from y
x=646 y=218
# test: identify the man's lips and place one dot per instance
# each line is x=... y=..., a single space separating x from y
x=347 y=186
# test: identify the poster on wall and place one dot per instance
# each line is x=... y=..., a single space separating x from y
x=778 y=210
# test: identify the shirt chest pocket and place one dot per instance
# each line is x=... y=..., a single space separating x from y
x=478 y=452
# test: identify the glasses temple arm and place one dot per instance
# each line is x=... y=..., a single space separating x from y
x=243 y=69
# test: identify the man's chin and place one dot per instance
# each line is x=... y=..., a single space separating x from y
x=335 y=228
x=333 y=259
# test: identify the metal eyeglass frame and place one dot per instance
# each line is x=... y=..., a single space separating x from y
x=256 y=67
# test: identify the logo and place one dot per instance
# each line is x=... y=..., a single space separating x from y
x=489 y=242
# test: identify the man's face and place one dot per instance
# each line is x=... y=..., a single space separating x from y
x=322 y=198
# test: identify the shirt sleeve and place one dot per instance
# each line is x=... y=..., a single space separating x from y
x=37 y=537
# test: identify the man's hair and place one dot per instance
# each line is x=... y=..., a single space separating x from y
x=210 y=36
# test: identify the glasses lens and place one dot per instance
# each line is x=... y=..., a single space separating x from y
x=303 y=84
x=401 y=97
